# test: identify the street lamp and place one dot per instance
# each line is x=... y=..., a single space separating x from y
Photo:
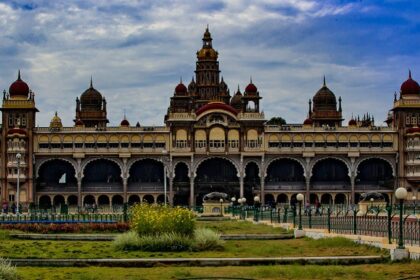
x=233 y=199
x=299 y=198
x=414 y=198
x=256 y=202
x=18 y=157
x=401 y=194
x=371 y=202
x=221 y=207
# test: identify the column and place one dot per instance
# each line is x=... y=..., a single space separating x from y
x=171 y=191
x=79 y=192
x=192 y=199
x=125 y=183
x=262 y=194
x=352 y=195
x=307 y=193
x=241 y=185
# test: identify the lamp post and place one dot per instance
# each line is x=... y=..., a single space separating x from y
x=256 y=208
x=233 y=199
x=300 y=198
x=371 y=202
x=18 y=157
x=221 y=207
x=164 y=152
x=401 y=194
x=414 y=198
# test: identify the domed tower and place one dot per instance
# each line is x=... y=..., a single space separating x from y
x=55 y=123
x=91 y=108
x=251 y=98
x=236 y=101
x=181 y=100
x=209 y=87
x=18 y=124
x=324 y=110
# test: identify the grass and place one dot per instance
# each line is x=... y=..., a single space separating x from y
x=235 y=248
x=235 y=227
x=313 y=272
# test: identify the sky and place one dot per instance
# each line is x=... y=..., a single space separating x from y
x=136 y=52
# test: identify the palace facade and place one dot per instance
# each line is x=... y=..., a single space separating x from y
x=212 y=140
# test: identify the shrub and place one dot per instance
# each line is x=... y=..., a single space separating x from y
x=207 y=239
x=166 y=242
x=158 y=219
x=7 y=271
x=68 y=228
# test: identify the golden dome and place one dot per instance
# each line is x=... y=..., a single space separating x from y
x=56 y=122
x=207 y=53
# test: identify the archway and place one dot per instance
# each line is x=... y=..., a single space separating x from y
x=216 y=175
x=340 y=198
x=117 y=200
x=161 y=199
x=59 y=200
x=374 y=174
x=102 y=175
x=330 y=174
x=103 y=200
x=313 y=198
x=251 y=181
x=269 y=199
x=285 y=174
x=72 y=200
x=56 y=175
x=356 y=198
x=386 y=197
x=89 y=200
x=146 y=175
x=282 y=199
x=148 y=198
x=181 y=184
x=326 y=199
x=45 y=202
x=133 y=199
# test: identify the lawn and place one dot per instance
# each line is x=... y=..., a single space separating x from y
x=239 y=226
x=368 y=272
x=235 y=248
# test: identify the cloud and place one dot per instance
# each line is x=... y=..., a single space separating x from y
x=136 y=52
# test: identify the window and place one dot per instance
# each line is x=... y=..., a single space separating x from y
x=102 y=145
x=309 y=144
x=78 y=145
x=44 y=145
x=364 y=144
x=286 y=144
x=181 y=144
x=233 y=143
x=90 y=145
x=23 y=122
x=297 y=144
x=11 y=197
x=354 y=144
x=56 y=145
x=413 y=120
x=217 y=144
x=200 y=144
x=273 y=144
x=160 y=145
x=11 y=118
x=68 y=145
x=319 y=145
x=407 y=120
x=114 y=145
x=148 y=145
x=343 y=145
x=124 y=145
x=136 y=145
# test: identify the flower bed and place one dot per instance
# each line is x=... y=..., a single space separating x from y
x=68 y=228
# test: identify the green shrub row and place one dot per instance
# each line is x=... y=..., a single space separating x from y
x=7 y=271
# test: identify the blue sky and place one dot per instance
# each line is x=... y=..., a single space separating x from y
x=136 y=52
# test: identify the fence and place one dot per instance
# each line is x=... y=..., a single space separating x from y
x=382 y=222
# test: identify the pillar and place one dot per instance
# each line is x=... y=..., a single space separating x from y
x=79 y=192
x=125 y=184
x=192 y=198
x=241 y=185
x=171 y=191
x=352 y=194
x=307 y=192
x=262 y=194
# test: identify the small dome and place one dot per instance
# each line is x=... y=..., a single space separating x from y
x=56 y=122
x=19 y=88
x=236 y=99
x=324 y=99
x=207 y=53
x=180 y=89
x=352 y=122
x=308 y=121
x=91 y=99
x=124 y=122
x=251 y=88
x=410 y=86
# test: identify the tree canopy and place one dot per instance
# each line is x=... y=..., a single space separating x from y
x=276 y=121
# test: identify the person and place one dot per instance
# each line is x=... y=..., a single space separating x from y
x=307 y=207
x=5 y=207
x=14 y=208
x=317 y=207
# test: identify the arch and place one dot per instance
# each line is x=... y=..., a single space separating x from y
x=217 y=133
x=187 y=166
x=101 y=139
x=181 y=183
x=115 y=139
x=375 y=138
x=146 y=170
x=282 y=198
x=342 y=138
x=117 y=200
x=208 y=158
x=133 y=199
x=273 y=138
x=102 y=175
x=58 y=175
x=200 y=135
x=181 y=134
x=55 y=139
x=252 y=134
x=284 y=158
x=363 y=138
x=252 y=182
x=313 y=198
x=326 y=198
x=148 y=198
x=88 y=161
x=89 y=139
x=161 y=199
x=68 y=139
x=89 y=200
x=269 y=199
x=309 y=138
x=59 y=200
x=340 y=198
x=286 y=138
x=233 y=134
x=44 y=202
x=376 y=157
x=42 y=162
x=43 y=139
x=387 y=138
x=135 y=139
x=353 y=139
x=357 y=197
x=72 y=200
x=331 y=138
x=147 y=138
x=330 y=173
x=314 y=162
x=297 y=138
x=103 y=200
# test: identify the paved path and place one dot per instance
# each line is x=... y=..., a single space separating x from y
x=151 y=262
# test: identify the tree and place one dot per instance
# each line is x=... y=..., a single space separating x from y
x=276 y=121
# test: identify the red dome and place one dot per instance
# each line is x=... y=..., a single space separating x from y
x=308 y=121
x=124 y=122
x=352 y=122
x=251 y=88
x=180 y=89
x=19 y=88
x=412 y=130
x=214 y=106
x=16 y=131
x=410 y=86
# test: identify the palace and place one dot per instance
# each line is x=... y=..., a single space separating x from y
x=212 y=140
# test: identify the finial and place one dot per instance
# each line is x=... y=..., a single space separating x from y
x=19 y=75
x=180 y=79
x=409 y=73
x=56 y=113
x=91 y=82
x=250 y=79
x=395 y=96
x=325 y=84
x=207 y=27
x=239 y=89
x=222 y=78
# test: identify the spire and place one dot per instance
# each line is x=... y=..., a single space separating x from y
x=339 y=104
x=310 y=108
x=56 y=113
x=19 y=79
x=395 y=96
x=180 y=79
x=250 y=79
x=239 y=89
x=207 y=38
x=325 y=84
x=409 y=73
x=91 y=82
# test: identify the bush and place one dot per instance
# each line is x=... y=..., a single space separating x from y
x=166 y=242
x=7 y=271
x=68 y=228
x=207 y=239
x=158 y=219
